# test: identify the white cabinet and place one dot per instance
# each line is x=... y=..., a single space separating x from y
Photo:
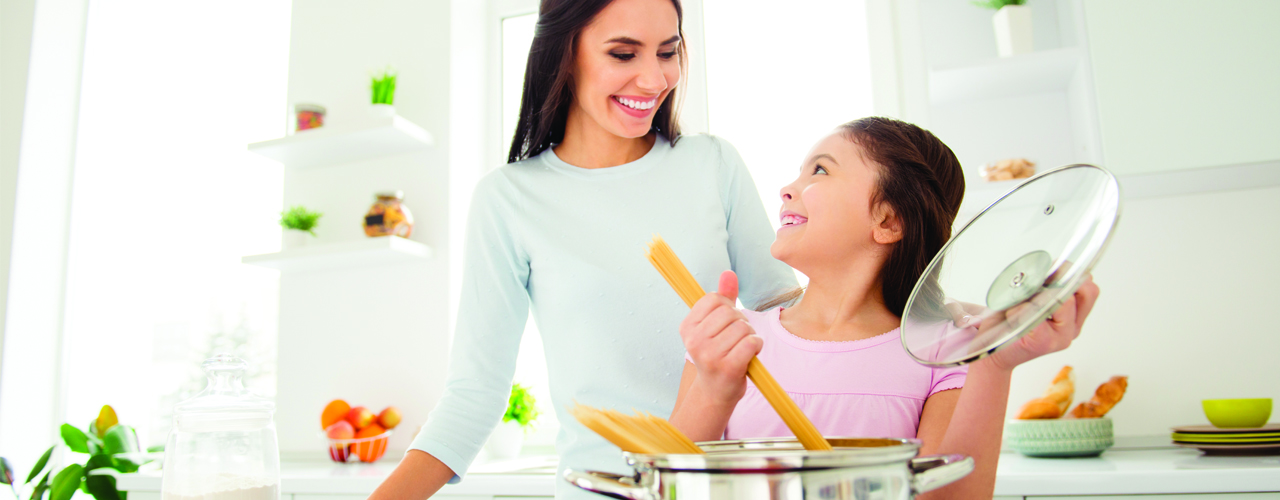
x=1185 y=84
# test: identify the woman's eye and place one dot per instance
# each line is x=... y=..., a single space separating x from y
x=817 y=169
x=623 y=57
x=667 y=55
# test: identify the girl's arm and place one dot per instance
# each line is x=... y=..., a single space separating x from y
x=721 y=343
x=970 y=421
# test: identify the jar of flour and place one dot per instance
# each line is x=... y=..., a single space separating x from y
x=223 y=443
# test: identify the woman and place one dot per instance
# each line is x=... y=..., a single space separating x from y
x=598 y=167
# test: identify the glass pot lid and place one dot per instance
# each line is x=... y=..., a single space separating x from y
x=225 y=397
x=1011 y=266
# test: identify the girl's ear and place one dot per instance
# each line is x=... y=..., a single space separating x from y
x=888 y=226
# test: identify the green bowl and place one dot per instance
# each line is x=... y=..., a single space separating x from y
x=1237 y=413
x=1062 y=437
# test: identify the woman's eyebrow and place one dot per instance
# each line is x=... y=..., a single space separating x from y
x=626 y=40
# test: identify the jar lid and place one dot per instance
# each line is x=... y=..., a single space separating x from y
x=1010 y=267
x=397 y=194
x=302 y=106
x=225 y=398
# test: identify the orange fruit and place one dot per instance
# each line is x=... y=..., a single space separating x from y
x=373 y=449
x=333 y=412
x=389 y=418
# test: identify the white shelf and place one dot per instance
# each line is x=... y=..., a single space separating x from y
x=360 y=253
x=1034 y=73
x=981 y=194
x=345 y=143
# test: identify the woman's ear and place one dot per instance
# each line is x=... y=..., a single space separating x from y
x=888 y=226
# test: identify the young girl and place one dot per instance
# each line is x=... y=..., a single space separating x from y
x=873 y=204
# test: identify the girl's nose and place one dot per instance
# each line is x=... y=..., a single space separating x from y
x=786 y=192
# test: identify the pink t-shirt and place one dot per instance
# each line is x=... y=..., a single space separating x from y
x=862 y=388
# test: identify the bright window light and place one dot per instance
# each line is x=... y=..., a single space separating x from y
x=166 y=199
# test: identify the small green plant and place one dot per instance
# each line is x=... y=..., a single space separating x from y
x=106 y=441
x=520 y=406
x=300 y=219
x=384 y=87
x=998 y=4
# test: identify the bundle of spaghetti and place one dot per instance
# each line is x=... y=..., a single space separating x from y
x=639 y=433
x=664 y=259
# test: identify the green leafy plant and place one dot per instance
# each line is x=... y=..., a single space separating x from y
x=104 y=440
x=299 y=218
x=998 y=4
x=384 y=87
x=520 y=406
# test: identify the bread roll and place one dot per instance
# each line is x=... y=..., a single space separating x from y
x=1055 y=401
x=1106 y=397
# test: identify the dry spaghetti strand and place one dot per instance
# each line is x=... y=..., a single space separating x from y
x=678 y=276
x=639 y=433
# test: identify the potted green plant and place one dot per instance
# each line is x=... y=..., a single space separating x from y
x=298 y=223
x=508 y=437
x=1012 y=22
x=109 y=444
x=383 y=93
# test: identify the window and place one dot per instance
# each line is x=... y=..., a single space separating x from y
x=166 y=199
x=779 y=79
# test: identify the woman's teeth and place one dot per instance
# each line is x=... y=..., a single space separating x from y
x=640 y=105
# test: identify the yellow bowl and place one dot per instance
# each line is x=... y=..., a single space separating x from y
x=1237 y=413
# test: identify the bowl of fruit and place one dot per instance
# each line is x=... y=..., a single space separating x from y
x=356 y=433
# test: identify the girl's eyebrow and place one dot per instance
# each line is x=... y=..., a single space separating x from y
x=626 y=40
x=823 y=155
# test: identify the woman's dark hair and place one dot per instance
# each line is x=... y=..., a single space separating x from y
x=548 y=88
x=921 y=180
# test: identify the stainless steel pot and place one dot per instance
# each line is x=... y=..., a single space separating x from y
x=774 y=469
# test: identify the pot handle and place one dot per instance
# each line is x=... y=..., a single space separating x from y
x=607 y=484
x=935 y=471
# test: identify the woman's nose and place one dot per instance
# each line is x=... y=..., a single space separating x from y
x=786 y=193
x=651 y=78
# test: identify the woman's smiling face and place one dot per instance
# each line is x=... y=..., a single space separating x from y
x=626 y=65
x=827 y=212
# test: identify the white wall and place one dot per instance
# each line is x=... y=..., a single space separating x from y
x=1186 y=311
x=374 y=336
x=1185 y=83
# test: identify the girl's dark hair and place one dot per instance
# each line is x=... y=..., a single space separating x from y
x=921 y=180
x=548 y=84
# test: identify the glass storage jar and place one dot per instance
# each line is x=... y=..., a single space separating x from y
x=223 y=442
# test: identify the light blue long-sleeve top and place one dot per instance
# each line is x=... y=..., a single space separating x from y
x=568 y=244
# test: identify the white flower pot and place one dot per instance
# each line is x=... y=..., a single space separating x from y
x=382 y=110
x=295 y=239
x=506 y=441
x=1013 y=30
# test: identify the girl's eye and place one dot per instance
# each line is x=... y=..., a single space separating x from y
x=622 y=57
x=817 y=169
x=667 y=55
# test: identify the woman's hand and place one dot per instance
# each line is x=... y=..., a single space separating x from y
x=1054 y=334
x=721 y=343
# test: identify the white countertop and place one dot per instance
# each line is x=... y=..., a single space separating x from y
x=1137 y=470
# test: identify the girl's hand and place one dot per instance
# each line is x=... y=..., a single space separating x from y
x=721 y=343
x=1054 y=334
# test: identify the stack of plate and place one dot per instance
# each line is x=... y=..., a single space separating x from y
x=1216 y=440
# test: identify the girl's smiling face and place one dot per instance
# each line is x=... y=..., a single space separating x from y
x=828 y=215
x=626 y=65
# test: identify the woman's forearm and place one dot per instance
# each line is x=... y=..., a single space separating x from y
x=700 y=417
x=418 y=476
x=975 y=430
